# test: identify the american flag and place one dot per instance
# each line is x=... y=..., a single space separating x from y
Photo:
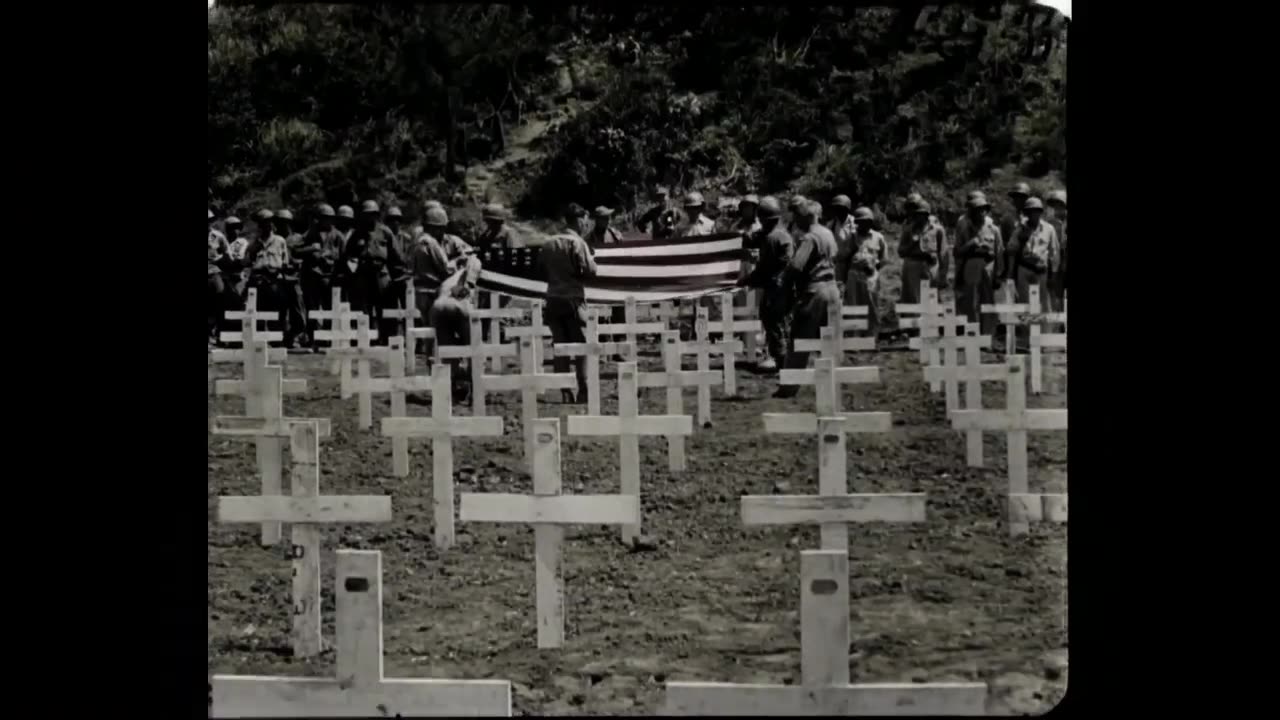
x=649 y=270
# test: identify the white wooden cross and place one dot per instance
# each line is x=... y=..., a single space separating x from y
x=832 y=341
x=531 y=382
x=495 y=316
x=476 y=352
x=442 y=427
x=629 y=425
x=592 y=350
x=410 y=333
x=734 y=320
x=704 y=349
x=828 y=395
x=362 y=386
x=928 y=315
x=1016 y=420
x=540 y=333
x=549 y=512
x=263 y=389
x=942 y=350
x=631 y=327
x=305 y=509
x=675 y=380
x=343 y=335
x=1041 y=340
x=359 y=689
x=972 y=373
x=1011 y=314
x=824 y=687
x=705 y=376
x=833 y=507
x=396 y=385
x=249 y=319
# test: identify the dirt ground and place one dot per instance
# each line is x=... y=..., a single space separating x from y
x=951 y=599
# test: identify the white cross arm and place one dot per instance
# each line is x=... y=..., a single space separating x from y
x=720 y=346
x=637 y=425
x=236 y=696
x=551 y=509
x=959 y=341
x=342 y=334
x=966 y=373
x=400 y=313
x=527 y=331
x=937 y=321
x=540 y=382
x=261 y=315
x=847 y=344
x=721 y=327
x=1009 y=420
x=485 y=426
x=266 y=427
x=288 y=386
x=807 y=423
x=854 y=311
x=887 y=699
x=796 y=509
x=1047 y=340
x=416 y=383
x=381 y=354
x=290 y=509
x=682 y=379
x=844 y=376
x=460 y=352
x=640 y=328
x=221 y=356
x=1028 y=507
x=498 y=313
x=422 y=332
x=583 y=349
x=260 y=336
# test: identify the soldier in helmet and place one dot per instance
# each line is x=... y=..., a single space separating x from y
x=660 y=220
x=290 y=286
x=566 y=261
x=919 y=248
x=429 y=265
x=696 y=223
x=269 y=262
x=939 y=278
x=372 y=248
x=843 y=228
x=1057 y=216
x=235 y=268
x=450 y=317
x=868 y=256
x=747 y=224
x=601 y=232
x=345 y=221
x=775 y=253
x=318 y=252
x=497 y=233
x=217 y=289
x=1018 y=197
x=809 y=278
x=1032 y=252
x=979 y=254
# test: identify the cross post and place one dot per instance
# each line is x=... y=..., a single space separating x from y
x=592 y=350
x=531 y=383
x=734 y=320
x=396 y=386
x=943 y=351
x=675 y=380
x=832 y=341
x=549 y=511
x=476 y=352
x=410 y=333
x=972 y=373
x=704 y=348
x=362 y=354
x=631 y=327
x=249 y=319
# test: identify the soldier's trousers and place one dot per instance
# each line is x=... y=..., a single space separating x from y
x=283 y=296
x=452 y=323
x=862 y=289
x=424 y=297
x=807 y=319
x=976 y=287
x=215 y=302
x=914 y=272
x=1023 y=280
x=316 y=295
x=776 y=322
x=567 y=320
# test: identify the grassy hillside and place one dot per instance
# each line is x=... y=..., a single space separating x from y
x=537 y=106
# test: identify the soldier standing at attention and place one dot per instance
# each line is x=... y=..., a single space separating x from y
x=290 y=279
x=601 y=232
x=373 y=249
x=843 y=228
x=344 y=270
x=696 y=223
x=497 y=233
x=775 y=253
x=940 y=276
x=217 y=289
x=1057 y=203
x=318 y=252
x=429 y=266
x=869 y=253
x=1032 y=253
x=269 y=260
x=918 y=248
x=1018 y=196
x=346 y=221
x=979 y=256
x=810 y=278
x=566 y=261
x=660 y=220
x=748 y=225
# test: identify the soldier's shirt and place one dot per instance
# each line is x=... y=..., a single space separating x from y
x=869 y=252
x=455 y=247
x=236 y=248
x=428 y=265
x=503 y=237
x=1038 y=246
x=813 y=262
x=775 y=253
x=320 y=249
x=702 y=225
x=566 y=261
x=272 y=254
x=218 y=249
x=607 y=237
x=915 y=244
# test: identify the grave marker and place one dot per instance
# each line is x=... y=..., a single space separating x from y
x=704 y=348
x=494 y=316
x=972 y=373
x=824 y=687
x=396 y=386
x=340 y=334
x=734 y=320
x=927 y=314
x=359 y=688
x=410 y=333
x=1042 y=340
x=592 y=350
x=442 y=427
x=629 y=425
x=631 y=327
x=1013 y=314
x=531 y=383
x=1016 y=420
x=305 y=509
x=549 y=512
x=675 y=380
x=951 y=330
x=475 y=352
x=249 y=319
x=362 y=354
x=832 y=342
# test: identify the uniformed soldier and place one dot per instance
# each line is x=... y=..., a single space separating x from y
x=567 y=261
x=269 y=266
x=450 y=317
x=1057 y=203
x=318 y=253
x=660 y=220
x=843 y=228
x=1032 y=252
x=217 y=289
x=601 y=232
x=373 y=248
x=775 y=252
x=870 y=252
x=939 y=280
x=919 y=249
x=809 y=278
x=235 y=268
x=429 y=266
x=497 y=233
x=290 y=285
x=345 y=221
x=696 y=223
x=979 y=254
x=747 y=223
x=796 y=205
x=1018 y=196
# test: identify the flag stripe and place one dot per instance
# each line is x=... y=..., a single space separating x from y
x=728 y=267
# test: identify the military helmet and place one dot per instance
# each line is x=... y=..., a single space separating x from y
x=842 y=201
x=494 y=211
x=324 y=210
x=922 y=208
x=232 y=220
x=1021 y=189
x=284 y=214
x=977 y=199
x=433 y=203
x=864 y=213
x=1059 y=197
x=813 y=209
x=602 y=211
x=1033 y=204
x=394 y=212
x=265 y=214
x=750 y=199
x=770 y=207
x=369 y=206
x=914 y=200
x=437 y=217
x=797 y=202
x=693 y=199
x=345 y=211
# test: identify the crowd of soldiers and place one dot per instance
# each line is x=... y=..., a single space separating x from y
x=802 y=266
